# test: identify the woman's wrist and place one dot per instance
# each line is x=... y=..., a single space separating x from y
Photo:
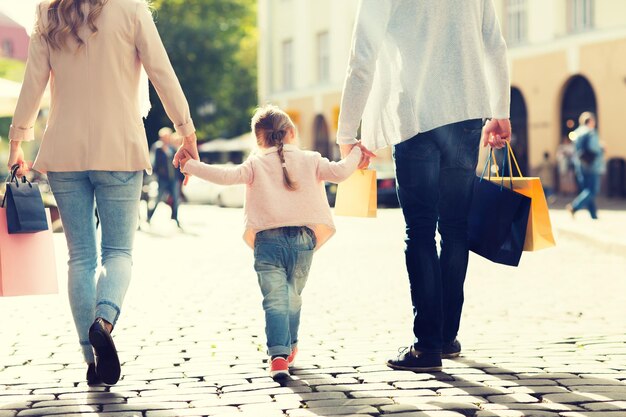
x=15 y=144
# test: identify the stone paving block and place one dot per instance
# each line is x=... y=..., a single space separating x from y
x=192 y=412
x=156 y=405
x=81 y=395
x=251 y=387
x=311 y=396
x=8 y=413
x=234 y=401
x=353 y=387
x=83 y=401
x=349 y=402
x=484 y=391
x=573 y=398
x=589 y=381
x=594 y=414
x=48 y=411
x=600 y=389
x=393 y=393
x=328 y=381
x=7 y=399
x=512 y=398
x=433 y=404
x=539 y=390
x=605 y=406
x=428 y=414
x=332 y=411
x=430 y=385
x=515 y=413
x=179 y=391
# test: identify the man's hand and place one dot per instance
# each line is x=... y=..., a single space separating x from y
x=496 y=133
x=366 y=154
x=190 y=147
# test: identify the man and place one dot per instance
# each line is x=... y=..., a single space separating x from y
x=589 y=165
x=163 y=152
x=423 y=76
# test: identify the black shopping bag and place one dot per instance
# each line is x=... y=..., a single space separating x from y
x=497 y=221
x=24 y=206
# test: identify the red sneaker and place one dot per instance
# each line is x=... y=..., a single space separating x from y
x=292 y=358
x=279 y=368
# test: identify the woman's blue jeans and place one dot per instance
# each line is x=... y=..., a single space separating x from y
x=116 y=196
x=282 y=259
x=435 y=173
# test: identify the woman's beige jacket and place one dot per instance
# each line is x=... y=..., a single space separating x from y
x=95 y=120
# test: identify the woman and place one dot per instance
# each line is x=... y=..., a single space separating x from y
x=94 y=148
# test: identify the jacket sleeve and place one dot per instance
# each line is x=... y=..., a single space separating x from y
x=338 y=171
x=369 y=33
x=159 y=69
x=35 y=81
x=240 y=174
x=496 y=63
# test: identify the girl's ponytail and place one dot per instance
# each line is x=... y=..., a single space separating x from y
x=270 y=126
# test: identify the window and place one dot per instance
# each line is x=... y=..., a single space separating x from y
x=288 y=64
x=7 y=48
x=580 y=14
x=323 y=57
x=516 y=21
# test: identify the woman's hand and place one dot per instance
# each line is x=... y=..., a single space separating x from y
x=189 y=148
x=16 y=157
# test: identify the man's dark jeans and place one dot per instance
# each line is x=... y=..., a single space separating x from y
x=435 y=173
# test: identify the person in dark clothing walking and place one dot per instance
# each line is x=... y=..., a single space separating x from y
x=162 y=153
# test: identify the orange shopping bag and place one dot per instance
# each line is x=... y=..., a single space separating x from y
x=27 y=261
x=539 y=231
x=356 y=196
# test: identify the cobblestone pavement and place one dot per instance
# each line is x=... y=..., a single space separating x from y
x=545 y=339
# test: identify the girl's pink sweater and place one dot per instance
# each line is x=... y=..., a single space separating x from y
x=269 y=204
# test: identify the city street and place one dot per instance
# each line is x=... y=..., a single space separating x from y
x=545 y=339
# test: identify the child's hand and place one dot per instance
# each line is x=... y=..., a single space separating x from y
x=184 y=157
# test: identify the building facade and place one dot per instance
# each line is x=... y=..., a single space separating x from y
x=13 y=39
x=566 y=57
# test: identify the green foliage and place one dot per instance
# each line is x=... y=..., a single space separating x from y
x=212 y=46
x=12 y=69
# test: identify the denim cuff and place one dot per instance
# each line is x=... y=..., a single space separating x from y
x=87 y=351
x=279 y=350
x=108 y=311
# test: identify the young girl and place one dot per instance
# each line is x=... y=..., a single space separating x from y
x=287 y=217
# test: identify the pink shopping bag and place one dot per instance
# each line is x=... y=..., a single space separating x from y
x=27 y=261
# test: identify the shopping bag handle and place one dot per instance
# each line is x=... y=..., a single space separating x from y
x=511 y=156
x=12 y=177
x=491 y=158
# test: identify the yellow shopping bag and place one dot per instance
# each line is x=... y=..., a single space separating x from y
x=539 y=230
x=356 y=196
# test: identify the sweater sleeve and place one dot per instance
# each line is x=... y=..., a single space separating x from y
x=157 y=64
x=35 y=81
x=341 y=170
x=369 y=33
x=240 y=174
x=496 y=63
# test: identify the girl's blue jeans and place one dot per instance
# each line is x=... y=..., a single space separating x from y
x=282 y=259
x=116 y=195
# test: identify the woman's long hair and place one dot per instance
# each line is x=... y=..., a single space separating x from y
x=66 y=18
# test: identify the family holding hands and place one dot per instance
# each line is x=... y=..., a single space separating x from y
x=429 y=78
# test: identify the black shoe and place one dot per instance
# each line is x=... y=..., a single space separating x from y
x=451 y=350
x=107 y=361
x=411 y=360
x=92 y=375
